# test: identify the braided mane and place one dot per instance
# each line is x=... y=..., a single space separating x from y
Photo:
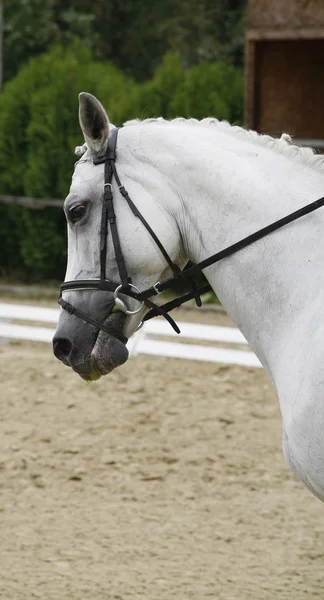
x=283 y=145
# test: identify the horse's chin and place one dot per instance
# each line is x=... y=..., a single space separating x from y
x=107 y=354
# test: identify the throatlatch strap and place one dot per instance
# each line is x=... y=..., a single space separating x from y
x=175 y=269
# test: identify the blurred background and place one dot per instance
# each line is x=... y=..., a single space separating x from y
x=141 y=58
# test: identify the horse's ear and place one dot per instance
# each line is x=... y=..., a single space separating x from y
x=94 y=123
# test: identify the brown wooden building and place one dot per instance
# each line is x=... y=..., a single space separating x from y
x=285 y=69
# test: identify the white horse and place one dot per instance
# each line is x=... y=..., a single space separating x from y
x=203 y=185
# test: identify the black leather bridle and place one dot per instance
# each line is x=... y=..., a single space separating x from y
x=125 y=286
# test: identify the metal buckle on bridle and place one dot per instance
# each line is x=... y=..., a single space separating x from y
x=121 y=304
x=156 y=288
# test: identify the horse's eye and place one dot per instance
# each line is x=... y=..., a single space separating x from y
x=76 y=212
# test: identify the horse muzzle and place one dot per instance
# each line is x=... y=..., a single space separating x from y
x=90 y=352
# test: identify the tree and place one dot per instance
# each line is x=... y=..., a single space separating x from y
x=39 y=130
x=32 y=26
x=1 y=43
x=133 y=34
x=136 y=34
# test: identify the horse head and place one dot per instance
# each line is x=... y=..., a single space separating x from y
x=111 y=254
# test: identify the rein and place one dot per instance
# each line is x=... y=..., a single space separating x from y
x=125 y=286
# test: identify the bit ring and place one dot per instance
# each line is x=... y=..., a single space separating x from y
x=121 y=304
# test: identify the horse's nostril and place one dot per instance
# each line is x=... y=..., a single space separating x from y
x=62 y=348
x=66 y=347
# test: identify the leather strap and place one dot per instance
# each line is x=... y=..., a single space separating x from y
x=108 y=217
x=85 y=317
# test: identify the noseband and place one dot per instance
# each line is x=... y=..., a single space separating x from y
x=125 y=286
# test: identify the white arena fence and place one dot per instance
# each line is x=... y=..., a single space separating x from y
x=145 y=341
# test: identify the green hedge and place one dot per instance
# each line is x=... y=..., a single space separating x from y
x=39 y=129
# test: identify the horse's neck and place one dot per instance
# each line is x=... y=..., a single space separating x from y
x=274 y=289
x=230 y=189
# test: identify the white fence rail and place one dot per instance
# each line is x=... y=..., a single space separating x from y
x=145 y=341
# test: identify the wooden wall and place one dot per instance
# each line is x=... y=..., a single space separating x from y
x=289 y=88
x=285 y=14
x=284 y=84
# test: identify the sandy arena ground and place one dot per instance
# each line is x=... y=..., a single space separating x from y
x=164 y=481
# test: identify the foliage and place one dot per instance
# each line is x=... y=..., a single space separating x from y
x=38 y=133
x=132 y=34
x=39 y=130
x=207 y=89
x=32 y=26
x=136 y=34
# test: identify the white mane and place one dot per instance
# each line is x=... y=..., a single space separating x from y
x=283 y=145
